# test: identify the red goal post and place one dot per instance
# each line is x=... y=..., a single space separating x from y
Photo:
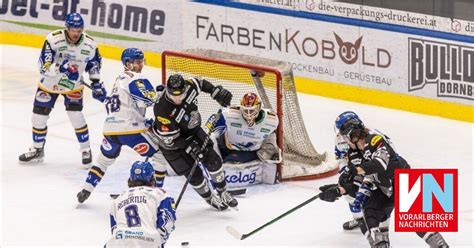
x=275 y=88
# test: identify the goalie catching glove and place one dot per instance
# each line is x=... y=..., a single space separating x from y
x=269 y=152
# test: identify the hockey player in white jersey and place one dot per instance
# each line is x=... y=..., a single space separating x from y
x=125 y=123
x=246 y=140
x=65 y=56
x=143 y=216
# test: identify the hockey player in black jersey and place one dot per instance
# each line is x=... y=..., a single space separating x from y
x=181 y=138
x=372 y=155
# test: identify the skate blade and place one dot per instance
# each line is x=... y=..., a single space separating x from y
x=33 y=161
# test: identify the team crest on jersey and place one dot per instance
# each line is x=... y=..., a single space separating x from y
x=75 y=95
x=106 y=145
x=195 y=119
x=141 y=148
x=42 y=96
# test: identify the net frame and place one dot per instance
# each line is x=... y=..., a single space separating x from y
x=190 y=54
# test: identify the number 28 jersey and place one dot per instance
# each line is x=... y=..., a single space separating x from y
x=126 y=106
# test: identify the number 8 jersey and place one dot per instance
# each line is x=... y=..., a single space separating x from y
x=131 y=94
x=141 y=217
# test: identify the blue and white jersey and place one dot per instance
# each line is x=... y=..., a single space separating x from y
x=126 y=106
x=84 y=56
x=238 y=135
x=141 y=217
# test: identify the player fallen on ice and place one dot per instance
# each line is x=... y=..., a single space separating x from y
x=65 y=56
x=143 y=216
x=125 y=124
x=246 y=140
x=372 y=155
x=183 y=141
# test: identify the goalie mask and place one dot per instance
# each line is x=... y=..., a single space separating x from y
x=250 y=107
x=176 y=88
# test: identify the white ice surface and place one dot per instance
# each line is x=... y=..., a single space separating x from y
x=38 y=202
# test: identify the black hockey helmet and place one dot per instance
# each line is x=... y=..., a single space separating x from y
x=353 y=129
x=176 y=85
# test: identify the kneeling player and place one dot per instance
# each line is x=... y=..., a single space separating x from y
x=377 y=160
x=246 y=136
x=125 y=124
x=143 y=216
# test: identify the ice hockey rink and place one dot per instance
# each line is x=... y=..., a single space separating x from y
x=39 y=205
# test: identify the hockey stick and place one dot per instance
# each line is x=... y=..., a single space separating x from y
x=232 y=231
x=211 y=122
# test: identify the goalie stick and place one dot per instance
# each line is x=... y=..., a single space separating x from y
x=238 y=235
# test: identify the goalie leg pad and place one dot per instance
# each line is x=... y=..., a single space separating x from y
x=267 y=152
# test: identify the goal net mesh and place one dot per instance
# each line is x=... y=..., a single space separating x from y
x=277 y=90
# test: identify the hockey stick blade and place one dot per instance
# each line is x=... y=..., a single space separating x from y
x=236 y=234
x=237 y=191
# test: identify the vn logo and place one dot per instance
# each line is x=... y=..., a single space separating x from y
x=426 y=200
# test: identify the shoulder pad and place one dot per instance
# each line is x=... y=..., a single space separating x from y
x=375 y=140
x=57 y=32
x=88 y=37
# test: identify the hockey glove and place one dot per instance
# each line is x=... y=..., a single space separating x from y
x=222 y=96
x=149 y=122
x=362 y=195
x=98 y=91
x=329 y=193
x=268 y=152
x=194 y=149
x=166 y=218
x=69 y=70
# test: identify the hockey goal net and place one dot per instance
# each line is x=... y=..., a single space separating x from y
x=277 y=90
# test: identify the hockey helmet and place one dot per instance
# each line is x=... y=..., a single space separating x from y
x=74 y=20
x=250 y=107
x=131 y=54
x=176 y=88
x=352 y=130
x=142 y=172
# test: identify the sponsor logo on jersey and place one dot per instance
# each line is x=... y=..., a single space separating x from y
x=238 y=125
x=375 y=139
x=180 y=115
x=264 y=130
x=191 y=96
x=141 y=148
x=106 y=145
x=426 y=200
x=63 y=48
x=85 y=52
x=119 y=235
x=42 y=96
x=75 y=95
x=163 y=120
x=66 y=83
